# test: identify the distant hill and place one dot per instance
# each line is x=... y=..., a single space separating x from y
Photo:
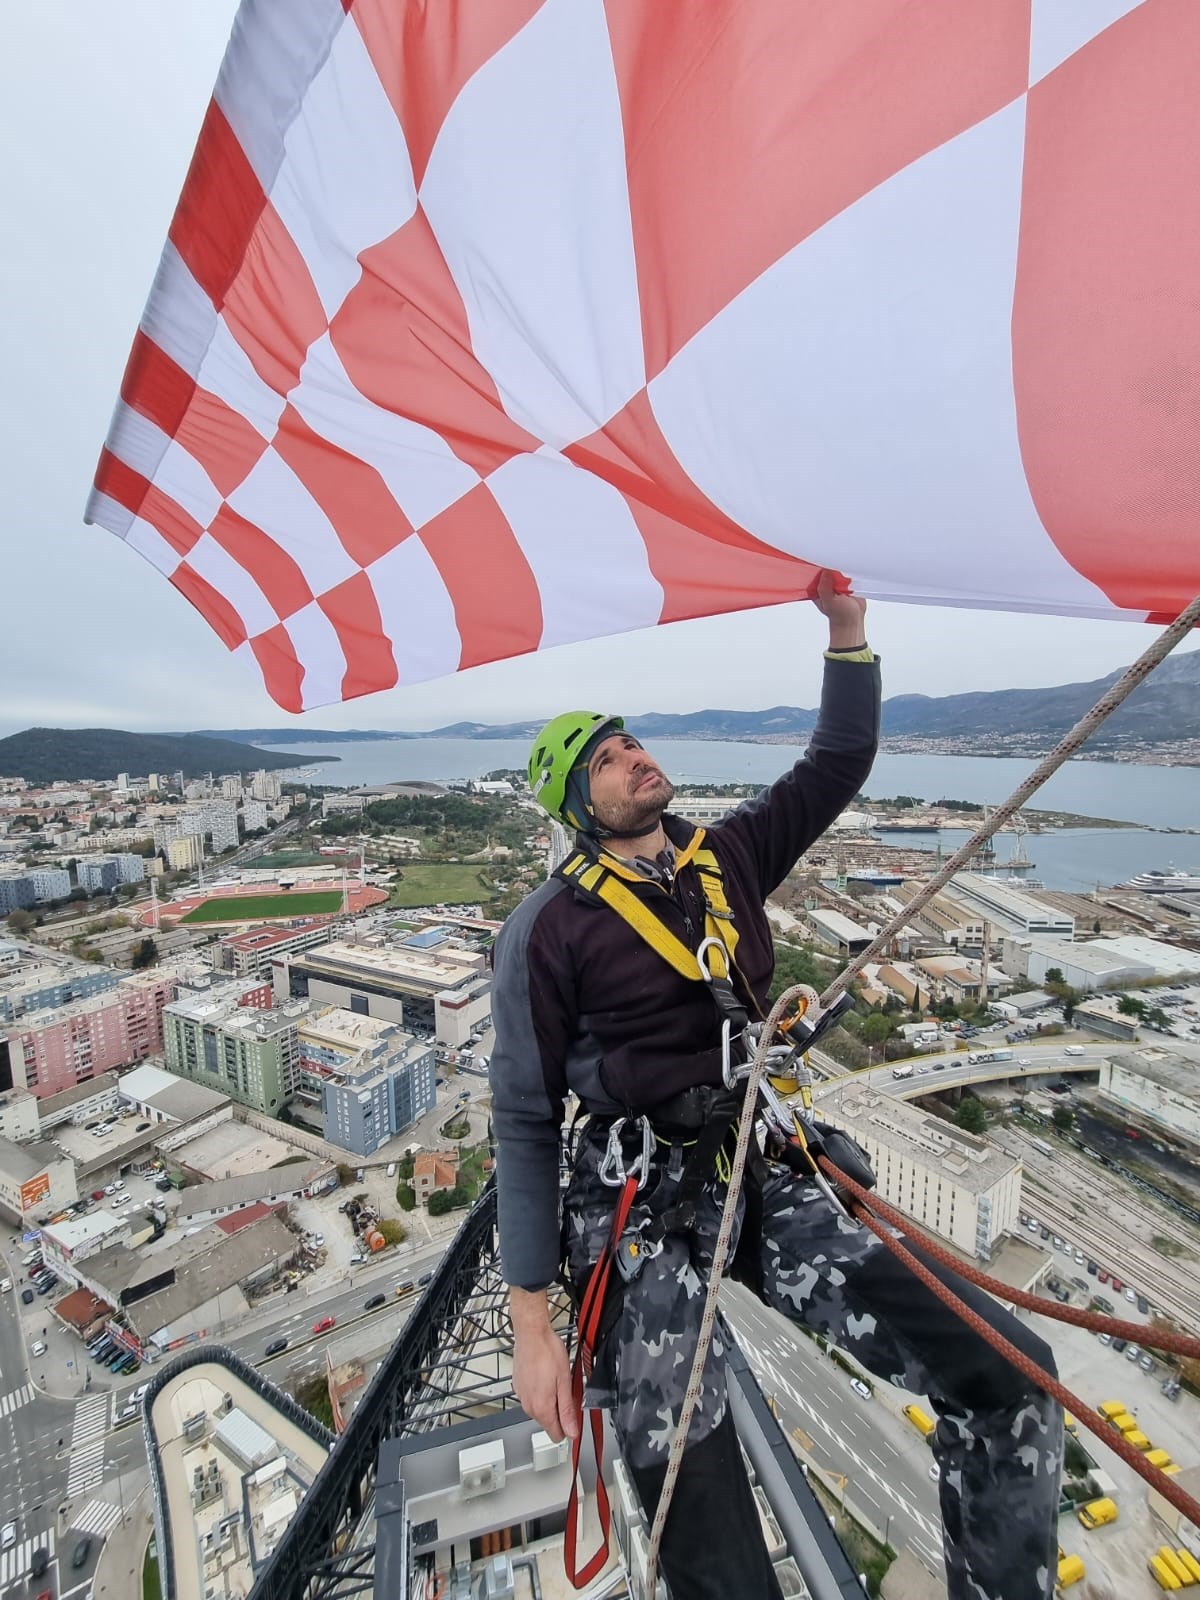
x=44 y=755
x=1163 y=709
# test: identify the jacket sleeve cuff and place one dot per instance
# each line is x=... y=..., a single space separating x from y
x=862 y=653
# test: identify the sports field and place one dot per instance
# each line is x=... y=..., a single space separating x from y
x=260 y=907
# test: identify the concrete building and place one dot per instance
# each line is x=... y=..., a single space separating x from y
x=1100 y=1015
x=1086 y=966
x=106 y=872
x=82 y=1103
x=370 y=1078
x=836 y=932
x=50 y=883
x=945 y=920
x=428 y=982
x=231 y=787
x=1158 y=1084
x=18 y=1116
x=185 y=852
x=266 y=786
x=207 y=1202
x=34 y=1178
x=53 y=1050
x=66 y=1245
x=255 y=816
x=16 y=891
x=338 y=805
x=252 y=952
x=958 y=978
x=169 y=1102
x=956 y=1185
x=1007 y=908
x=246 y=1052
x=1164 y=960
x=232 y=1459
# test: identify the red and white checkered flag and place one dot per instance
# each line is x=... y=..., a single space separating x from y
x=486 y=325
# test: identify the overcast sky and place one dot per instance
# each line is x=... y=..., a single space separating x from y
x=101 y=104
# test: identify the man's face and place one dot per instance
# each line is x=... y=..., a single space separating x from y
x=629 y=789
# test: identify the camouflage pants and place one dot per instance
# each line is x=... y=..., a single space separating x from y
x=998 y=1439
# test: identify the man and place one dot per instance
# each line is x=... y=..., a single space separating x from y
x=593 y=997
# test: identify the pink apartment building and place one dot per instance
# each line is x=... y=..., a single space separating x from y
x=50 y=1051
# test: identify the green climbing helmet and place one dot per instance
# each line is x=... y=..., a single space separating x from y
x=559 y=750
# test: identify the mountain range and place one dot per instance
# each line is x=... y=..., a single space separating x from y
x=1163 y=710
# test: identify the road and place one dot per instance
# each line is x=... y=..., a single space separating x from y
x=951 y=1070
x=865 y=1448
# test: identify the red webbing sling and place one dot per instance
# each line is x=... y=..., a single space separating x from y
x=590 y=1314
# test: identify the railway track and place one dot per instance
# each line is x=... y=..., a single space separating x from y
x=1142 y=1268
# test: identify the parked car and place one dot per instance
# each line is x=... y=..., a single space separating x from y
x=27 y=1296
x=1118 y=1283
x=1119 y=1344
x=1143 y=1304
x=38 y=1347
x=1131 y=1296
x=1147 y=1363
x=1106 y=1338
x=323 y=1324
x=1133 y=1352
x=1102 y=1275
x=276 y=1347
x=8 y=1536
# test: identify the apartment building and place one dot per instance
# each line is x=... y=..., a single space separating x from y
x=49 y=1051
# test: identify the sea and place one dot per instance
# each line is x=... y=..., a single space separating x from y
x=1153 y=798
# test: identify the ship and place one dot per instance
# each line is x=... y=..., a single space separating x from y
x=1168 y=882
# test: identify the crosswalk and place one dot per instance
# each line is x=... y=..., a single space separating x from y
x=97 y=1517
x=16 y=1562
x=87 y=1444
x=14 y=1401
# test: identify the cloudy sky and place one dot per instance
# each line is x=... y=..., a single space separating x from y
x=100 y=108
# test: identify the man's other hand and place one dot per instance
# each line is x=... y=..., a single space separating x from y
x=846 y=612
x=541 y=1374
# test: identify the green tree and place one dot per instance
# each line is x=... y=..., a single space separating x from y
x=393 y=1232
x=1062 y=1117
x=1069 y=1001
x=20 y=922
x=1130 y=1006
x=1156 y=1017
x=1054 y=975
x=971 y=1116
x=440 y=1201
x=876 y=1028
x=145 y=954
x=405 y=1197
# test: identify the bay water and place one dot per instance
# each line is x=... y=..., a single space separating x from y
x=1154 y=797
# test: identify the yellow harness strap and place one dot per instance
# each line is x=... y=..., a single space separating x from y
x=607 y=879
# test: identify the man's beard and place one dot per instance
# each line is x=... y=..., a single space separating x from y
x=637 y=811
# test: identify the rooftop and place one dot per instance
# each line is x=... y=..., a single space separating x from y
x=1167 y=1068
x=103 y=1083
x=419 y=970
x=248 y=1187
x=1167 y=960
x=960 y=1157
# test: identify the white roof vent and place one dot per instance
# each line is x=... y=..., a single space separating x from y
x=548 y=1454
x=481 y=1469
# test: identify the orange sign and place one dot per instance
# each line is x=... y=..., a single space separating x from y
x=33 y=1191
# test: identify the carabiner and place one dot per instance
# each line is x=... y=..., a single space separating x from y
x=612 y=1167
x=701 y=958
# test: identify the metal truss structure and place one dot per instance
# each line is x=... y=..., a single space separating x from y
x=451 y=1362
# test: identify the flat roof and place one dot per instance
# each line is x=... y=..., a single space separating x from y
x=102 y=1083
x=1095 y=956
x=1171 y=960
x=417 y=969
x=1167 y=1068
x=840 y=926
x=958 y=1156
x=92 y=1226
